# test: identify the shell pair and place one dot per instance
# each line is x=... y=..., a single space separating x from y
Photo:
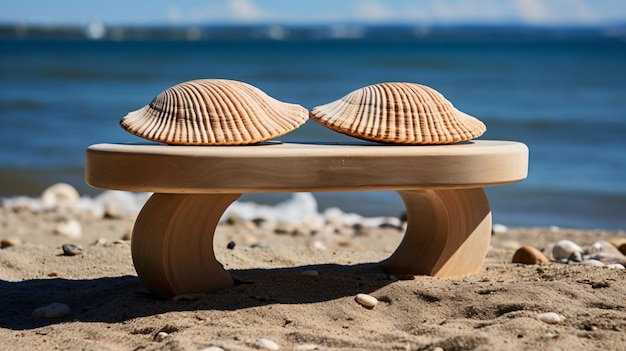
x=227 y=112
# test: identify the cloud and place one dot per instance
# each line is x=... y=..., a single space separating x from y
x=372 y=10
x=244 y=10
x=531 y=11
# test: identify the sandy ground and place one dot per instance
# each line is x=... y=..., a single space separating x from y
x=495 y=309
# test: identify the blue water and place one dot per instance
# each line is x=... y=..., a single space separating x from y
x=566 y=99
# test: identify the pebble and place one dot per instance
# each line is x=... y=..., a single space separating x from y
x=306 y=347
x=213 y=348
x=602 y=246
x=69 y=228
x=550 y=317
x=160 y=336
x=267 y=344
x=310 y=273
x=592 y=263
x=53 y=310
x=188 y=297
x=619 y=243
x=366 y=300
x=499 y=229
x=607 y=258
x=564 y=249
x=615 y=266
x=71 y=249
x=60 y=194
x=9 y=242
x=529 y=255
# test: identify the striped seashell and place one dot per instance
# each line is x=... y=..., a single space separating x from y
x=214 y=112
x=402 y=113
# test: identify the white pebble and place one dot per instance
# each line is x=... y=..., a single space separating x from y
x=499 y=228
x=213 y=348
x=160 y=336
x=306 y=347
x=53 y=310
x=59 y=194
x=550 y=317
x=267 y=344
x=615 y=266
x=564 y=249
x=69 y=228
x=366 y=300
x=592 y=263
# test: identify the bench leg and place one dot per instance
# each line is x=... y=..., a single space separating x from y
x=172 y=243
x=448 y=233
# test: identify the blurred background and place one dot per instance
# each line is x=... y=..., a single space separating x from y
x=550 y=74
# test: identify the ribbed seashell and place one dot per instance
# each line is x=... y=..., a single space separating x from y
x=214 y=112
x=402 y=113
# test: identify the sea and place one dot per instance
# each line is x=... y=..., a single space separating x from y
x=564 y=96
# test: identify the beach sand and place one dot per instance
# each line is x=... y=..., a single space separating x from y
x=279 y=298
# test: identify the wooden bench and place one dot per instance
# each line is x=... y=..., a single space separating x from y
x=449 y=219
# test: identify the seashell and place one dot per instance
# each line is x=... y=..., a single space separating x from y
x=214 y=112
x=402 y=113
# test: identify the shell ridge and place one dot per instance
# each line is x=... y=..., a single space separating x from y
x=397 y=112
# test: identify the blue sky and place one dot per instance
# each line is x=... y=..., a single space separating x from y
x=207 y=12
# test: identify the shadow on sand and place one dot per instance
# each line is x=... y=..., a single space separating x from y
x=117 y=299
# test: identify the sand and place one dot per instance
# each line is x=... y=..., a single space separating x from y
x=275 y=298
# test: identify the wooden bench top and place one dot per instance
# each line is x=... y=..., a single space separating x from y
x=293 y=167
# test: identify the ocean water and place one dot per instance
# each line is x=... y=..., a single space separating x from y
x=565 y=98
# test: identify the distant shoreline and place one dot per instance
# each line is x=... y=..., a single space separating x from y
x=348 y=31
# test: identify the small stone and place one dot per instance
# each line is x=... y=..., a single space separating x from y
x=592 y=263
x=529 y=255
x=231 y=245
x=267 y=344
x=564 y=249
x=188 y=297
x=310 y=273
x=9 y=242
x=59 y=194
x=72 y=250
x=99 y=241
x=160 y=336
x=213 y=348
x=550 y=317
x=366 y=300
x=128 y=234
x=306 y=347
x=53 y=310
x=284 y=228
x=438 y=349
x=619 y=243
x=69 y=228
x=607 y=258
x=615 y=266
x=499 y=229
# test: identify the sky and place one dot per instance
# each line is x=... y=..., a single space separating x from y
x=293 y=12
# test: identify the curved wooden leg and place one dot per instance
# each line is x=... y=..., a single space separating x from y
x=448 y=233
x=172 y=243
